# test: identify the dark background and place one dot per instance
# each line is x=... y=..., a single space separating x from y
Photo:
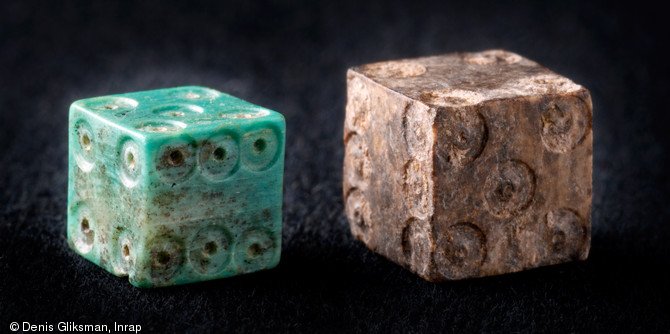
x=292 y=57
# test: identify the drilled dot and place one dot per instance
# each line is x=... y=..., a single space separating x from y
x=558 y=240
x=219 y=154
x=126 y=252
x=130 y=160
x=505 y=192
x=259 y=145
x=210 y=248
x=89 y=236
x=86 y=141
x=85 y=228
x=176 y=158
x=255 y=250
x=462 y=137
x=111 y=107
x=163 y=257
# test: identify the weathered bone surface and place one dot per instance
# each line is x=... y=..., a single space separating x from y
x=468 y=164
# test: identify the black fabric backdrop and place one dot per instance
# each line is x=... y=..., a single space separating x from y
x=292 y=57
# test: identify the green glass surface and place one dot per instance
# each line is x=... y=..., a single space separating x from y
x=173 y=186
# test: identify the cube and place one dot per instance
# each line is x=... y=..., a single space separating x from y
x=468 y=164
x=173 y=186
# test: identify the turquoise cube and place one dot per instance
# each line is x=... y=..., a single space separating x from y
x=174 y=186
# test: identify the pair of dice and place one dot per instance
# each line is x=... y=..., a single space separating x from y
x=456 y=166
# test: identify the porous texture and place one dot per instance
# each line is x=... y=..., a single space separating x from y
x=468 y=164
x=176 y=185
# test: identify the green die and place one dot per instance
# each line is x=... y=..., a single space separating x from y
x=176 y=185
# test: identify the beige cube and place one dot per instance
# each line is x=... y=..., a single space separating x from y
x=468 y=164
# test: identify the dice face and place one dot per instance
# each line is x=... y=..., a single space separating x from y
x=468 y=165
x=175 y=185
